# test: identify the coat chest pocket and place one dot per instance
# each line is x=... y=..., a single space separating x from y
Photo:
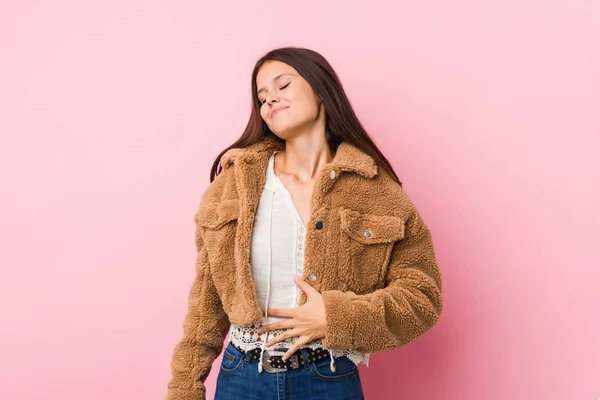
x=219 y=225
x=215 y=215
x=366 y=245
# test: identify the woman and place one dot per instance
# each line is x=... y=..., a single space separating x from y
x=310 y=255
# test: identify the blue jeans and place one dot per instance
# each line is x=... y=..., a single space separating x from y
x=239 y=379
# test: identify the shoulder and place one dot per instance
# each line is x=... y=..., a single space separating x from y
x=219 y=203
x=221 y=188
x=386 y=196
x=391 y=200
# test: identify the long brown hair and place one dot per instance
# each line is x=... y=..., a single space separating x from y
x=342 y=124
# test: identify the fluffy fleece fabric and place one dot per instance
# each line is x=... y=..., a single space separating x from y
x=370 y=250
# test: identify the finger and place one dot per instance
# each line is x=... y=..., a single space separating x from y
x=283 y=336
x=303 y=285
x=276 y=325
x=281 y=312
x=300 y=342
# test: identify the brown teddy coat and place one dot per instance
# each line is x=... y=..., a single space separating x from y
x=369 y=250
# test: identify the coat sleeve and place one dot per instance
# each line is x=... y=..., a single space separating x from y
x=204 y=329
x=408 y=306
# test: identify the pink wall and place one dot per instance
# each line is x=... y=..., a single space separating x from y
x=111 y=114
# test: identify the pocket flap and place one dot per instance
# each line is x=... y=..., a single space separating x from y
x=371 y=228
x=216 y=214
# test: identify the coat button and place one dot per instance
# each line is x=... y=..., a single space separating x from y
x=319 y=225
x=312 y=277
x=368 y=234
x=332 y=174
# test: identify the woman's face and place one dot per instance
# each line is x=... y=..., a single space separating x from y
x=288 y=103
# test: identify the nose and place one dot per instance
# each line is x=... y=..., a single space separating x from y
x=271 y=98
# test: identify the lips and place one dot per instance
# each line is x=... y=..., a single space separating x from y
x=275 y=111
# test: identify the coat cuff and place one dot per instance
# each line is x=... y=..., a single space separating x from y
x=340 y=320
x=186 y=394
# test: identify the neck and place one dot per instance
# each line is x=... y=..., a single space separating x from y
x=304 y=156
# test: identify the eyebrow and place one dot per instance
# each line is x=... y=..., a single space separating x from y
x=274 y=79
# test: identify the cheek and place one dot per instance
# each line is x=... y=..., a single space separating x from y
x=309 y=108
x=264 y=112
x=309 y=105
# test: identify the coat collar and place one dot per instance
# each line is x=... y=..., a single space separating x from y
x=347 y=157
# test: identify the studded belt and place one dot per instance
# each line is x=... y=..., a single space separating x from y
x=272 y=359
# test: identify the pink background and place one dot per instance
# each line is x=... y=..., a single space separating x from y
x=112 y=112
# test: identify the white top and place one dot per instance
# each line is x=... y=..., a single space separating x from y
x=276 y=255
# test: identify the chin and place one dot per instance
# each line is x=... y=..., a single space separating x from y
x=283 y=130
x=285 y=135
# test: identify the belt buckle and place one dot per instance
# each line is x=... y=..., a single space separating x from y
x=266 y=358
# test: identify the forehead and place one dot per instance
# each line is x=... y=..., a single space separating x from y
x=271 y=70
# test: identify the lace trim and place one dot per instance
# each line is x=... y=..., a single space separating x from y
x=299 y=252
x=247 y=338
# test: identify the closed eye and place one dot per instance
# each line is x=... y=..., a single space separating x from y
x=281 y=88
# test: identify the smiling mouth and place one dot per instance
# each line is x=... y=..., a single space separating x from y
x=277 y=112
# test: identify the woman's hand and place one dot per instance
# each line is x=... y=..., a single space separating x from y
x=306 y=321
